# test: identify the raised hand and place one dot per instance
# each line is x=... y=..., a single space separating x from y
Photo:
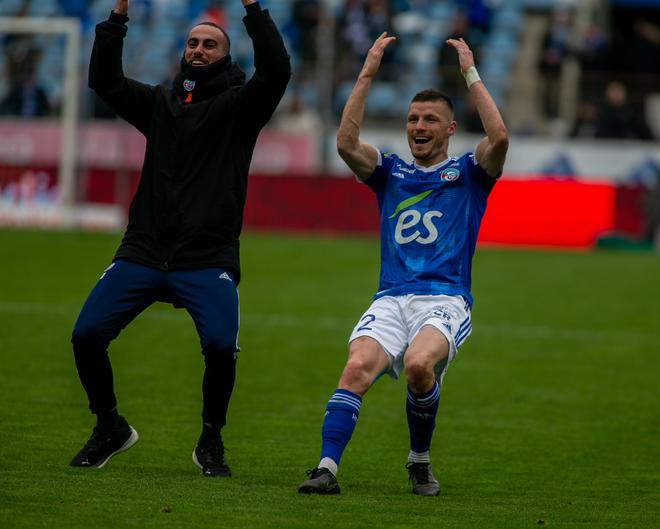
x=465 y=58
x=375 y=54
x=121 y=7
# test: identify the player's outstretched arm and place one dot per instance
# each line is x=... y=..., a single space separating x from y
x=491 y=151
x=360 y=157
x=121 y=7
x=130 y=99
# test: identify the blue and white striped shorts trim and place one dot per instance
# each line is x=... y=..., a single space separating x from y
x=463 y=332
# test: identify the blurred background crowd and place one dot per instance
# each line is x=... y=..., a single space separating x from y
x=586 y=68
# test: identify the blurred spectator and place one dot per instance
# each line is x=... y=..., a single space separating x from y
x=644 y=48
x=585 y=120
x=636 y=51
x=643 y=59
x=451 y=79
x=303 y=29
x=25 y=99
x=358 y=26
x=479 y=15
x=555 y=49
x=353 y=25
x=617 y=119
x=595 y=61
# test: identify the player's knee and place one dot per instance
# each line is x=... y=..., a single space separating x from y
x=418 y=372
x=219 y=346
x=356 y=376
x=87 y=333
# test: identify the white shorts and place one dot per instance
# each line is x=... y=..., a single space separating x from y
x=394 y=321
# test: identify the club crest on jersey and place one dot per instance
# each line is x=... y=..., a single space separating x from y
x=450 y=174
x=188 y=85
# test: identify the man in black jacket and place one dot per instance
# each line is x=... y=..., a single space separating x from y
x=181 y=244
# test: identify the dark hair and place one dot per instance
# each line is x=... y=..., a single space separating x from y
x=214 y=25
x=431 y=94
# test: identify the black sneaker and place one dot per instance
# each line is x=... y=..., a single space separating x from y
x=210 y=457
x=423 y=482
x=321 y=481
x=105 y=443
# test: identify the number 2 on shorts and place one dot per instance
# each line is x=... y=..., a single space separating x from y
x=367 y=319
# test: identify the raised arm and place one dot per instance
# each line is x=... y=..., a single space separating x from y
x=263 y=92
x=490 y=154
x=130 y=99
x=121 y=7
x=360 y=157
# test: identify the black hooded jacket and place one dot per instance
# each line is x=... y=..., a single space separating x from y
x=187 y=212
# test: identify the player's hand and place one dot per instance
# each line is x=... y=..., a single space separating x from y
x=121 y=7
x=375 y=55
x=465 y=58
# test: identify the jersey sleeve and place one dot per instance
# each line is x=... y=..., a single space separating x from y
x=477 y=175
x=378 y=178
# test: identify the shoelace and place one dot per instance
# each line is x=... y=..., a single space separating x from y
x=419 y=471
x=315 y=472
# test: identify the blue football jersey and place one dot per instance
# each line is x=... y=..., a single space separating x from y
x=429 y=221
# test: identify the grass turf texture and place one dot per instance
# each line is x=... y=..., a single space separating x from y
x=548 y=416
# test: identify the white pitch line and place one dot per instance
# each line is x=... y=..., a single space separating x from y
x=345 y=324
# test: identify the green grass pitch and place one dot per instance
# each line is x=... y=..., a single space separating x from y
x=549 y=416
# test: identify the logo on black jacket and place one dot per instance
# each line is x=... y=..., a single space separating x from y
x=188 y=85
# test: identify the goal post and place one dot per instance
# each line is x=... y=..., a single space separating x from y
x=70 y=110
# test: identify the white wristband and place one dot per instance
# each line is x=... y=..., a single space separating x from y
x=471 y=76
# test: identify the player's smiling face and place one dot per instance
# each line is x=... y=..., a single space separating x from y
x=429 y=126
x=205 y=45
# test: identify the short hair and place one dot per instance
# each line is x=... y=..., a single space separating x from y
x=214 y=25
x=431 y=94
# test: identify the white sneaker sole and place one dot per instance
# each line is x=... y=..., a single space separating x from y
x=195 y=460
x=129 y=442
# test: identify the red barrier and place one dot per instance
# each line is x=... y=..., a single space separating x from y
x=549 y=213
x=310 y=203
x=536 y=211
x=520 y=212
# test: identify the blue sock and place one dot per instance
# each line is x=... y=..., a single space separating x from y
x=421 y=411
x=341 y=415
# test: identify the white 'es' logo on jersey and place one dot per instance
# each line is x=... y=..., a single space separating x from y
x=406 y=226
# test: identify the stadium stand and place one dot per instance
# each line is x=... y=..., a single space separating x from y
x=507 y=38
x=606 y=42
